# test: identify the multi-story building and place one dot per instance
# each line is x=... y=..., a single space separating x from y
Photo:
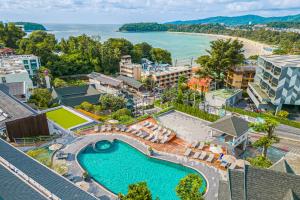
x=239 y=77
x=127 y=68
x=277 y=82
x=30 y=63
x=168 y=76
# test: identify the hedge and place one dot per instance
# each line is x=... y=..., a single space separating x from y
x=263 y=115
x=195 y=112
x=135 y=120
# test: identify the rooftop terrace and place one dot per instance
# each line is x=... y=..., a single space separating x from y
x=224 y=93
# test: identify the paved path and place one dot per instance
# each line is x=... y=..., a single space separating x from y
x=211 y=174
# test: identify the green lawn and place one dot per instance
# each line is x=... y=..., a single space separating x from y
x=64 y=118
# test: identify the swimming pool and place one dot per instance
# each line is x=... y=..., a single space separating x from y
x=121 y=165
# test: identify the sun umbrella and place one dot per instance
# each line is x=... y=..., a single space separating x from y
x=55 y=147
x=215 y=149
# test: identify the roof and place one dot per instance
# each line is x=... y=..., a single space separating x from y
x=53 y=182
x=282 y=166
x=223 y=191
x=261 y=184
x=15 y=88
x=130 y=81
x=12 y=184
x=283 y=60
x=106 y=80
x=224 y=93
x=231 y=125
x=167 y=70
x=245 y=68
x=290 y=163
x=75 y=95
x=13 y=108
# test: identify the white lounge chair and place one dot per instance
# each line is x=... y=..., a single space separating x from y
x=210 y=158
x=203 y=155
x=164 y=140
x=201 y=146
x=224 y=164
x=188 y=152
x=117 y=128
x=195 y=144
x=150 y=137
x=139 y=133
x=197 y=154
x=128 y=130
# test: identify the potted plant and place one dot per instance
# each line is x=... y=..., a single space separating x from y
x=86 y=176
x=150 y=150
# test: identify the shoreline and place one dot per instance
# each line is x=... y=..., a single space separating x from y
x=251 y=47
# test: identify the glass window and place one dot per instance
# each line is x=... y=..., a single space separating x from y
x=25 y=62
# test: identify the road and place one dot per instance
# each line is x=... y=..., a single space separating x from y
x=288 y=132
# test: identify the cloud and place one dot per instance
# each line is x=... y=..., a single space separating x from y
x=140 y=10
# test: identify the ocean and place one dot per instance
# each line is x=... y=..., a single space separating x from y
x=183 y=47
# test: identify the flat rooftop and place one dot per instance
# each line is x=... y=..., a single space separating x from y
x=11 y=109
x=224 y=93
x=167 y=70
x=283 y=60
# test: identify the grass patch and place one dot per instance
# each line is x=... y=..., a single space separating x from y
x=64 y=118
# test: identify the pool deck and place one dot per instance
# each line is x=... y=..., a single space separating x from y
x=211 y=173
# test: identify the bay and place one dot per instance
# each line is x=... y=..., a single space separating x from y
x=183 y=47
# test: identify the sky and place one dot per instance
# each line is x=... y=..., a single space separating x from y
x=125 y=11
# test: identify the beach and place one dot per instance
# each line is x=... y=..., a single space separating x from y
x=251 y=47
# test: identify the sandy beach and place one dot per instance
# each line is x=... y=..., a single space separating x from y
x=251 y=47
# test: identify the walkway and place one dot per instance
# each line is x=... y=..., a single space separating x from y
x=212 y=174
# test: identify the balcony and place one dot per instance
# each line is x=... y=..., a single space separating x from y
x=259 y=92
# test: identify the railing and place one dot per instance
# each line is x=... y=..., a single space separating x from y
x=29 y=180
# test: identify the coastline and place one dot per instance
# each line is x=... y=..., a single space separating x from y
x=251 y=47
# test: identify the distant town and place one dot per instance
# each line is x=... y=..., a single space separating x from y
x=82 y=118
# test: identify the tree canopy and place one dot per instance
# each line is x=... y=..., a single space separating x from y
x=223 y=54
x=10 y=34
x=160 y=55
x=112 y=102
x=189 y=188
x=41 y=98
x=138 y=191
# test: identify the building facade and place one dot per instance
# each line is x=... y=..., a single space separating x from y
x=277 y=82
x=17 y=64
x=169 y=76
x=127 y=68
x=239 y=77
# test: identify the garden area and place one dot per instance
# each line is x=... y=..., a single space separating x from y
x=65 y=118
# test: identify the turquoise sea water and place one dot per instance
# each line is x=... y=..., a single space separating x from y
x=183 y=47
x=122 y=165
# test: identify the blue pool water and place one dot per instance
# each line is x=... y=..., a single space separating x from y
x=121 y=165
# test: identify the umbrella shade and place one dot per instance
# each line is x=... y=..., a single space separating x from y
x=229 y=158
x=55 y=147
x=215 y=149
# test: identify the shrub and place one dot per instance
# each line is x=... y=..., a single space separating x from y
x=263 y=115
x=283 y=114
x=260 y=161
x=138 y=191
x=188 y=188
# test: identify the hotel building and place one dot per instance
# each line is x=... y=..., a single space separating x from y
x=127 y=68
x=277 y=82
x=168 y=76
x=239 y=77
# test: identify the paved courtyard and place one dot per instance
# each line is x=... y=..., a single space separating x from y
x=187 y=127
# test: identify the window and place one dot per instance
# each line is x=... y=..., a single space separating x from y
x=25 y=62
x=3 y=79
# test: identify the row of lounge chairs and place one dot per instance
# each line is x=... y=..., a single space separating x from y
x=201 y=155
x=199 y=145
x=160 y=135
x=228 y=165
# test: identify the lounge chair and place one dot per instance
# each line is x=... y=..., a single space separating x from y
x=150 y=137
x=139 y=133
x=117 y=128
x=150 y=126
x=203 y=155
x=128 y=130
x=134 y=131
x=164 y=131
x=108 y=128
x=195 y=144
x=201 y=146
x=232 y=166
x=144 y=135
x=146 y=123
x=188 y=152
x=154 y=127
x=163 y=141
x=155 y=139
x=197 y=154
x=210 y=158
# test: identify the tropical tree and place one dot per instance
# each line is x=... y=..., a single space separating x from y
x=189 y=188
x=57 y=82
x=39 y=43
x=111 y=102
x=283 y=114
x=160 y=55
x=10 y=34
x=149 y=83
x=138 y=191
x=223 y=55
x=141 y=50
x=41 y=97
x=266 y=141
